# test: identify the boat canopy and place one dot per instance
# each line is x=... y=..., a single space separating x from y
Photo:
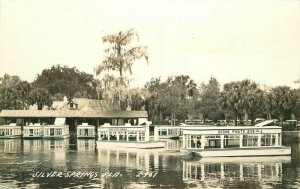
x=60 y=121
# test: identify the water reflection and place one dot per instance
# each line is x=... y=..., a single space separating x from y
x=217 y=172
x=10 y=145
x=141 y=159
x=135 y=168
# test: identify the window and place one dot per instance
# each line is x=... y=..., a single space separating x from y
x=268 y=140
x=231 y=141
x=250 y=140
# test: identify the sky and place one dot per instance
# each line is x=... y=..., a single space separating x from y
x=230 y=40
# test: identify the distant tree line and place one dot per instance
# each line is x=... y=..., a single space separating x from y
x=52 y=84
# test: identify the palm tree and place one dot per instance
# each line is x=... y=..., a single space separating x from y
x=283 y=100
x=250 y=98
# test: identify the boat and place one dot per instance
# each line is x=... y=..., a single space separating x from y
x=33 y=131
x=259 y=140
x=127 y=136
x=168 y=131
x=86 y=131
x=57 y=131
x=10 y=131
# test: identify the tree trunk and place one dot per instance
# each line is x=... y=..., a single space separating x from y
x=246 y=119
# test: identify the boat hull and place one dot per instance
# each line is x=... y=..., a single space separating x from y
x=240 y=152
x=141 y=145
x=86 y=137
x=10 y=136
x=33 y=137
x=56 y=137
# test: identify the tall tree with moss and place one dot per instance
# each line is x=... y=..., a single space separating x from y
x=119 y=58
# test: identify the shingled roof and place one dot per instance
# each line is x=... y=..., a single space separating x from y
x=73 y=113
x=85 y=103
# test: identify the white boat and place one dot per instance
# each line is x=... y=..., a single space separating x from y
x=10 y=131
x=86 y=131
x=33 y=131
x=58 y=130
x=127 y=137
x=257 y=140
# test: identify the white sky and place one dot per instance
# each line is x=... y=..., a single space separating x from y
x=230 y=40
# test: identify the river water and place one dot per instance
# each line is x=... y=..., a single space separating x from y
x=72 y=163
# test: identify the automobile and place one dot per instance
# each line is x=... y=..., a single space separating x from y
x=289 y=125
x=258 y=120
x=221 y=123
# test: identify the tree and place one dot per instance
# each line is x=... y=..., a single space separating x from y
x=13 y=92
x=66 y=81
x=229 y=98
x=251 y=98
x=283 y=100
x=119 y=58
x=40 y=97
x=242 y=97
x=209 y=95
x=169 y=99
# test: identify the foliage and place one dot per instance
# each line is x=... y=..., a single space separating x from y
x=67 y=81
x=283 y=100
x=208 y=105
x=119 y=58
x=40 y=97
x=241 y=97
x=169 y=99
x=13 y=93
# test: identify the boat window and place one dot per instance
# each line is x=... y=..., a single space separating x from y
x=231 y=141
x=268 y=140
x=112 y=135
x=141 y=136
x=212 y=141
x=132 y=136
x=250 y=140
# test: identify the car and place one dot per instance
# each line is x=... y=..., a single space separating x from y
x=289 y=125
x=258 y=120
x=221 y=123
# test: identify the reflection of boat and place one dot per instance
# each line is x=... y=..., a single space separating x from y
x=234 y=141
x=10 y=131
x=31 y=146
x=58 y=130
x=33 y=131
x=10 y=145
x=86 y=145
x=131 y=158
x=214 y=171
x=126 y=136
x=86 y=131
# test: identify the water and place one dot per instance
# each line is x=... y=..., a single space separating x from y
x=72 y=163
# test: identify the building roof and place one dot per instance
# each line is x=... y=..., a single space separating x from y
x=73 y=113
x=85 y=103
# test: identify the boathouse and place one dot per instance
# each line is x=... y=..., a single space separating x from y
x=76 y=112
